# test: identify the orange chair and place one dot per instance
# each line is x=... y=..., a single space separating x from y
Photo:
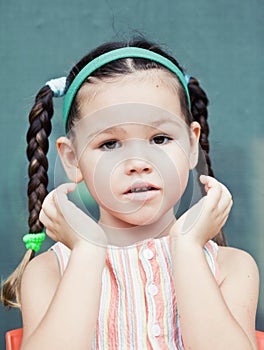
x=14 y=338
x=260 y=340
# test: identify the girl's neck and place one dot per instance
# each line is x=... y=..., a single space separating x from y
x=122 y=235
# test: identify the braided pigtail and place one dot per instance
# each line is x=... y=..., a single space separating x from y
x=199 y=103
x=38 y=145
x=37 y=139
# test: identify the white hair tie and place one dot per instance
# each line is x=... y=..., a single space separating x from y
x=187 y=78
x=57 y=86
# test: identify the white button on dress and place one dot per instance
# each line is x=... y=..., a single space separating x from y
x=148 y=253
x=153 y=289
x=156 y=330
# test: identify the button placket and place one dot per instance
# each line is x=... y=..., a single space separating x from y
x=151 y=291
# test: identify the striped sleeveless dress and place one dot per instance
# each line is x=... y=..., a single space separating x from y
x=138 y=308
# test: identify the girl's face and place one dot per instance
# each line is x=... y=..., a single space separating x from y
x=133 y=148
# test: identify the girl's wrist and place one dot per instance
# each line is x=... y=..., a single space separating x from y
x=186 y=242
x=86 y=247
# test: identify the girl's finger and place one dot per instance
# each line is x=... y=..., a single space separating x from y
x=49 y=200
x=42 y=217
x=204 y=180
x=66 y=187
x=225 y=199
x=49 y=207
x=214 y=191
x=51 y=235
x=45 y=220
x=209 y=181
x=60 y=194
x=228 y=209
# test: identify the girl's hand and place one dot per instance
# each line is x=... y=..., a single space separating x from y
x=205 y=219
x=66 y=223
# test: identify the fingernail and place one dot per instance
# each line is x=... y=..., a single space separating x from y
x=203 y=177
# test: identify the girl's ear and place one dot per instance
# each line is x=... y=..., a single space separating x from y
x=195 y=130
x=69 y=159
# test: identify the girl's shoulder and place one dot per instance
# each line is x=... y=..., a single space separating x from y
x=239 y=285
x=40 y=268
x=50 y=260
x=236 y=264
x=41 y=274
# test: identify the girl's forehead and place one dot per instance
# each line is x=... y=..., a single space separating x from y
x=127 y=115
x=154 y=87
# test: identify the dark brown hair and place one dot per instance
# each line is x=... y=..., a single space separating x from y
x=40 y=128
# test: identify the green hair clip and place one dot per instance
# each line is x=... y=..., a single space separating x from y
x=33 y=240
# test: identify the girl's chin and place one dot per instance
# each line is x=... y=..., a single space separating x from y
x=135 y=219
x=142 y=216
x=127 y=223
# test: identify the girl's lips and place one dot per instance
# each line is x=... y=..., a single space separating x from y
x=142 y=196
x=141 y=187
x=141 y=192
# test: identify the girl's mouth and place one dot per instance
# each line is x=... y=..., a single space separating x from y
x=141 y=189
x=141 y=192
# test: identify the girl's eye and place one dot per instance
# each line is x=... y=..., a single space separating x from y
x=161 y=139
x=110 y=145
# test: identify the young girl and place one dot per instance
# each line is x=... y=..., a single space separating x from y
x=138 y=278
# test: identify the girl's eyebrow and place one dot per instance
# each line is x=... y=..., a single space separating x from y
x=110 y=130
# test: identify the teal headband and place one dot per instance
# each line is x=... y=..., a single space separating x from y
x=125 y=52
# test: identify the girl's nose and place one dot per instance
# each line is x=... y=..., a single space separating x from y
x=136 y=165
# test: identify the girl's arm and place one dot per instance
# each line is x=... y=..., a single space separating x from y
x=61 y=312
x=212 y=316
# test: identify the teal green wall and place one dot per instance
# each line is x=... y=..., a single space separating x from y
x=220 y=42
